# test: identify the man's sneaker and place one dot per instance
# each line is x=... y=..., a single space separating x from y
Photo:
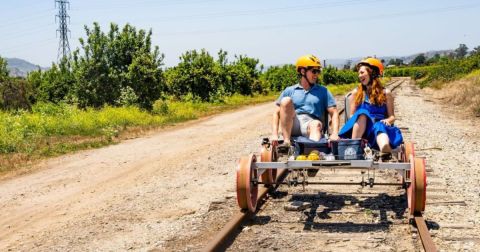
x=283 y=148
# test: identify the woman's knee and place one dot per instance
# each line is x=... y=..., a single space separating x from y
x=362 y=119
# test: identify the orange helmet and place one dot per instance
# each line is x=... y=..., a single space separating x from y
x=308 y=61
x=373 y=63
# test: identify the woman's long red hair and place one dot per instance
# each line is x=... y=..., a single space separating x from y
x=376 y=95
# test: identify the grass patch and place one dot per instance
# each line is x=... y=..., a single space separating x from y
x=54 y=129
x=341 y=89
x=345 y=88
x=473 y=74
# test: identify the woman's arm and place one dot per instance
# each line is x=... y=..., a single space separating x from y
x=390 y=108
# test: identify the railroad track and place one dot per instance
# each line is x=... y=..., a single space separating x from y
x=335 y=204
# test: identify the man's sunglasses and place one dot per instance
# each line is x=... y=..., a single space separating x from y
x=316 y=71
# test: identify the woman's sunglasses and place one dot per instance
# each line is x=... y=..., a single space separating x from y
x=316 y=71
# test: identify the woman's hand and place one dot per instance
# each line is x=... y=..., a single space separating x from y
x=385 y=121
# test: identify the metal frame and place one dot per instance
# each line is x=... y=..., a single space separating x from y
x=337 y=164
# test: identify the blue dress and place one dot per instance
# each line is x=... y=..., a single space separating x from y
x=374 y=114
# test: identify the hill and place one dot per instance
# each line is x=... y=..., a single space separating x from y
x=20 y=67
x=339 y=63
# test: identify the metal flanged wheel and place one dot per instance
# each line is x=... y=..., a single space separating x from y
x=409 y=150
x=417 y=191
x=267 y=155
x=420 y=185
x=247 y=190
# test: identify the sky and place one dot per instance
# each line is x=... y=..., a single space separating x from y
x=273 y=31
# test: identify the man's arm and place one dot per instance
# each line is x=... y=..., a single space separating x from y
x=275 y=122
x=333 y=112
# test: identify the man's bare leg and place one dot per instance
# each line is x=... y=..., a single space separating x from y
x=287 y=112
x=315 y=130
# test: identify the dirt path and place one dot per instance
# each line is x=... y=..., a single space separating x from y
x=133 y=195
x=172 y=190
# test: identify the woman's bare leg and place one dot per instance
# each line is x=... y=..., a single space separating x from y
x=359 y=126
x=384 y=143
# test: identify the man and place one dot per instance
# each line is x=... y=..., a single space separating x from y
x=301 y=108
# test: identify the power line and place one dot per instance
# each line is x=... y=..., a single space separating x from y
x=63 y=45
x=26 y=19
x=331 y=21
x=18 y=47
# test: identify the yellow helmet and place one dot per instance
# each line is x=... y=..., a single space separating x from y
x=308 y=61
x=373 y=63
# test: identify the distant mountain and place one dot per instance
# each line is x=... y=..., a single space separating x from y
x=20 y=67
x=339 y=63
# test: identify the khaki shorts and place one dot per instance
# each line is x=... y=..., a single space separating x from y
x=300 y=124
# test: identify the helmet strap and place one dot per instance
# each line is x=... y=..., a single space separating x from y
x=304 y=75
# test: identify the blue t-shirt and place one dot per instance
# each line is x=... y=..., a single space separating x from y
x=313 y=102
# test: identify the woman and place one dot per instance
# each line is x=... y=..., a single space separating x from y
x=371 y=108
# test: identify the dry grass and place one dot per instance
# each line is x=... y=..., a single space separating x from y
x=462 y=93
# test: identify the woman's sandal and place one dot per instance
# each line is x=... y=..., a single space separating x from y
x=387 y=157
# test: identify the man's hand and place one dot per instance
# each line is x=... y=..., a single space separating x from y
x=274 y=138
x=334 y=137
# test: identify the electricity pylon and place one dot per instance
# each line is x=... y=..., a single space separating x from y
x=63 y=31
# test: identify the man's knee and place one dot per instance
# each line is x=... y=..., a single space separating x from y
x=286 y=102
x=315 y=125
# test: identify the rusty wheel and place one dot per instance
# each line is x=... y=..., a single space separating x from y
x=273 y=147
x=247 y=191
x=420 y=184
x=417 y=191
x=409 y=150
x=408 y=154
x=268 y=155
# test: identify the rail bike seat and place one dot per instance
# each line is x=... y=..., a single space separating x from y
x=304 y=145
x=346 y=110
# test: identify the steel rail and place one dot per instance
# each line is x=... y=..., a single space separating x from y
x=425 y=236
x=222 y=239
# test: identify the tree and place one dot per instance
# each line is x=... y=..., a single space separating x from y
x=277 y=78
x=419 y=60
x=15 y=94
x=395 y=62
x=244 y=75
x=55 y=84
x=197 y=74
x=124 y=60
x=347 y=65
x=3 y=70
x=461 y=51
x=433 y=60
x=476 y=51
x=329 y=75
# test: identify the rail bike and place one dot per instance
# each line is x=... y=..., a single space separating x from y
x=304 y=158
